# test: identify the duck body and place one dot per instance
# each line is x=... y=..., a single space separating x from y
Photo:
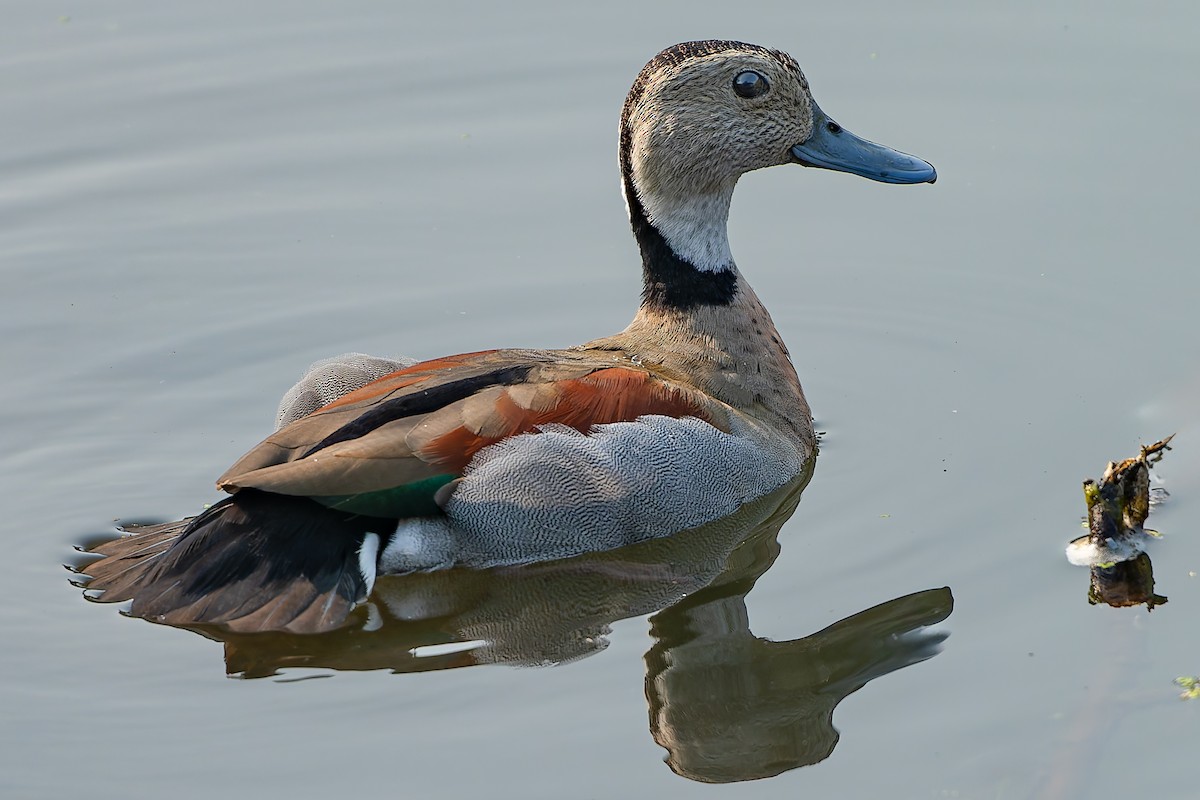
x=510 y=456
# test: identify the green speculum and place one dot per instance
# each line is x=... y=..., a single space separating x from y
x=414 y=499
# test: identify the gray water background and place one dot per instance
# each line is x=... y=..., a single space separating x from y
x=197 y=201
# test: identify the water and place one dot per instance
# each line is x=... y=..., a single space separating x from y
x=196 y=203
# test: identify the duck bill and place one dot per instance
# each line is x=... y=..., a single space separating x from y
x=833 y=147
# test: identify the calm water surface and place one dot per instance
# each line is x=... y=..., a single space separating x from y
x=196 y=203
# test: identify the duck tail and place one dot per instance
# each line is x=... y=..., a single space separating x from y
x=253 y=562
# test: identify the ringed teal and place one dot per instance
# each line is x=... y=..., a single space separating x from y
x=510 y=456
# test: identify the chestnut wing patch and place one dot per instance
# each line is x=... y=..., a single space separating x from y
x=613 y=394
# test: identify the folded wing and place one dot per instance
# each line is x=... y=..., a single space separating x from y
x=387 y=448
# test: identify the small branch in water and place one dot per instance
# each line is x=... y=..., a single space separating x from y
x=1114 y=547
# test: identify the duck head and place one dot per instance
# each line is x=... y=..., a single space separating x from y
x=700 y=115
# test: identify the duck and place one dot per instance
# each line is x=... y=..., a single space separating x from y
x=507 y=456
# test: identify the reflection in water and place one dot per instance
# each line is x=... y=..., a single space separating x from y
x=1125 y=583
x=726 y=705
x=729 y=706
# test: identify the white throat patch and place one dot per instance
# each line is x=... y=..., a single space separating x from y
x=695 y=227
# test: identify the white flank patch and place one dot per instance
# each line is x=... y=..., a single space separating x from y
x=368 y=555
x=419 y=544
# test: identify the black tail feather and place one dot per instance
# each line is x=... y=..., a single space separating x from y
x=253 y=562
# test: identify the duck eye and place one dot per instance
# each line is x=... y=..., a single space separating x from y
x=750 y=84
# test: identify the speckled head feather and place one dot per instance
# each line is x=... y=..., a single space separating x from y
x=686 y=138
x=678 y=54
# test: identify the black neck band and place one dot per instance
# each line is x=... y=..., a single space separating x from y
x=670 y=282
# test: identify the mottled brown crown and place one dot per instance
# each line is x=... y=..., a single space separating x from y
x=685 y=51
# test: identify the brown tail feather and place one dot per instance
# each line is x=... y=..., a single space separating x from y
x=127 y=560
x=253 y=562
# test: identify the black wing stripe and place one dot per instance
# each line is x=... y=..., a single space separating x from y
x=421 y=403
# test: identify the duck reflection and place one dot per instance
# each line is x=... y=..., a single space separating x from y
x=730 y=706
x=726 y=704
